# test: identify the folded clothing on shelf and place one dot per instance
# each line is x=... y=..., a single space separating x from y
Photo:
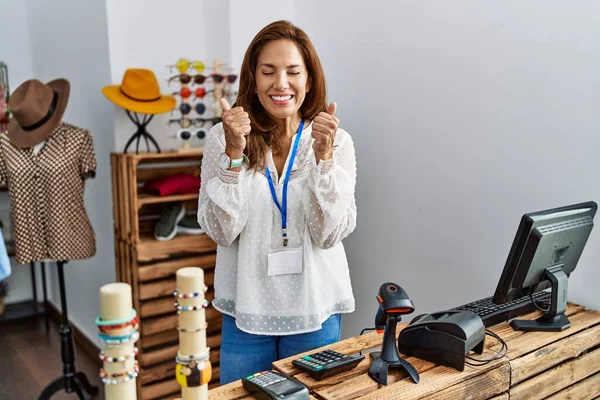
x=180 y=183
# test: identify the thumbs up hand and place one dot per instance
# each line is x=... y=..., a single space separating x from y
x=236 y=123
x=324 y=128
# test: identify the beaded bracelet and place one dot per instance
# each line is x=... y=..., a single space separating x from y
x=126 y=336
x=103 y=374
x=113 y=341
x=189 y=295
x=184 y=360
x=179 y=307
x=105 y=328
x=110 y=381
x=193 y=330
x=118 y=359
x=100 y=322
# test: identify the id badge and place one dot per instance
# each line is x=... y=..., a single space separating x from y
x=285 y=261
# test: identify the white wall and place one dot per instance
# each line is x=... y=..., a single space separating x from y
x=465 y=116
x=17 y=55
x=153 y=34
x=247 y=18
x=78 y=51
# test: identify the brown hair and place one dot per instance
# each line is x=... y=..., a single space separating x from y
x=264 y=132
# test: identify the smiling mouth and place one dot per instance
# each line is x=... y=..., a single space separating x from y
x=281 y=99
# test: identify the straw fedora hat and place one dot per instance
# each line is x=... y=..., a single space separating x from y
x=139 y=92
x=36 y=109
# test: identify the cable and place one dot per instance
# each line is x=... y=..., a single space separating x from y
x=363 y=331
x=479 y=362
x=535 y=304
x=366 y=329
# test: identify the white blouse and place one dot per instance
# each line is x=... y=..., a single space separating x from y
x=237 y=211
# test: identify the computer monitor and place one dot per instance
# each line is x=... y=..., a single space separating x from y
x=545 y=251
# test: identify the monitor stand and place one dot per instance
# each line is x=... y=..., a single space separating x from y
x=555 y=320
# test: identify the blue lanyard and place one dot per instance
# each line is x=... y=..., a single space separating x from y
x=283 y=207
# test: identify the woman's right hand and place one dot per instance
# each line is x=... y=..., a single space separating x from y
x=236 y=123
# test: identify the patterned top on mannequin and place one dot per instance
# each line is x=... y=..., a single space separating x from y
x=46 y=192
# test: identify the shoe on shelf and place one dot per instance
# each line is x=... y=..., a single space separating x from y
x=189 y=224
x=171 y=214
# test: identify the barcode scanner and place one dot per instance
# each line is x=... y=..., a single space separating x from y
x=393 y=300
x=393 y=303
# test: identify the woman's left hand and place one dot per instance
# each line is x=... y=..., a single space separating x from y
x=324 y=128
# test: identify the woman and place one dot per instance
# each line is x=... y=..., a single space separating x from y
x=277 y=196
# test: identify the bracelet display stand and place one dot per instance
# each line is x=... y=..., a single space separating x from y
x=193 y=369
x=118 y=353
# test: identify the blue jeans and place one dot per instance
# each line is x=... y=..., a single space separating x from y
x=243 y=354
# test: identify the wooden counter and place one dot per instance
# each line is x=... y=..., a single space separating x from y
x=562 y=365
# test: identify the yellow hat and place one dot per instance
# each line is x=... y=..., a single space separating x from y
x=139 y=92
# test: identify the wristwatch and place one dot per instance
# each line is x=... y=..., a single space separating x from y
x=227 y=163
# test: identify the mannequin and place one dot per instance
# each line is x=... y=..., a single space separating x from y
x=44 y=162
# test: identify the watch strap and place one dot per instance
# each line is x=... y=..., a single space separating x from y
x=236 y=162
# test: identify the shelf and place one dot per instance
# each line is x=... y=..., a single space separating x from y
x=171 y=154
x=20 y=310
x=146 y=198
x=150 y=249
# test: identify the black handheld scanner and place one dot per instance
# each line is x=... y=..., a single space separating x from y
x=393 y=300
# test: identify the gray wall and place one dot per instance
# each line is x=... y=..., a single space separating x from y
x=465 y=115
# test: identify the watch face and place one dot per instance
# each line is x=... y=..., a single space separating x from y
x=224 y=161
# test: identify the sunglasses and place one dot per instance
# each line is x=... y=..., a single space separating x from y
x=184 y=92
x=186 y=122
x=200 y=93
x=187 y=78
x=185 y=108
x=218 y=78
x=199 y=79
x=183 y=65
x=188 y=134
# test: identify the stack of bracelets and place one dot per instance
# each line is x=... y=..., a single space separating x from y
x=192 y=370
x=113 y=342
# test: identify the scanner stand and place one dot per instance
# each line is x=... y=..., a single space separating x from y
x=389 y=356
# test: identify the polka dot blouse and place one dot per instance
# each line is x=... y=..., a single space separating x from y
x=237 y=211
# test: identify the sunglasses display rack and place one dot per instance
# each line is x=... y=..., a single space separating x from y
x=199 y=95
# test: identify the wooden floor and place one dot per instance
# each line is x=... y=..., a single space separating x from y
x=30 y=359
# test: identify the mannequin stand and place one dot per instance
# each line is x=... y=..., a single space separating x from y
x=141 y=123
x=71 y=381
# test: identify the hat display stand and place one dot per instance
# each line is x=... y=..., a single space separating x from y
x=139 y=95
x=194 y=100
x=141 y=121
x=118 y=326
x=193 y=369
